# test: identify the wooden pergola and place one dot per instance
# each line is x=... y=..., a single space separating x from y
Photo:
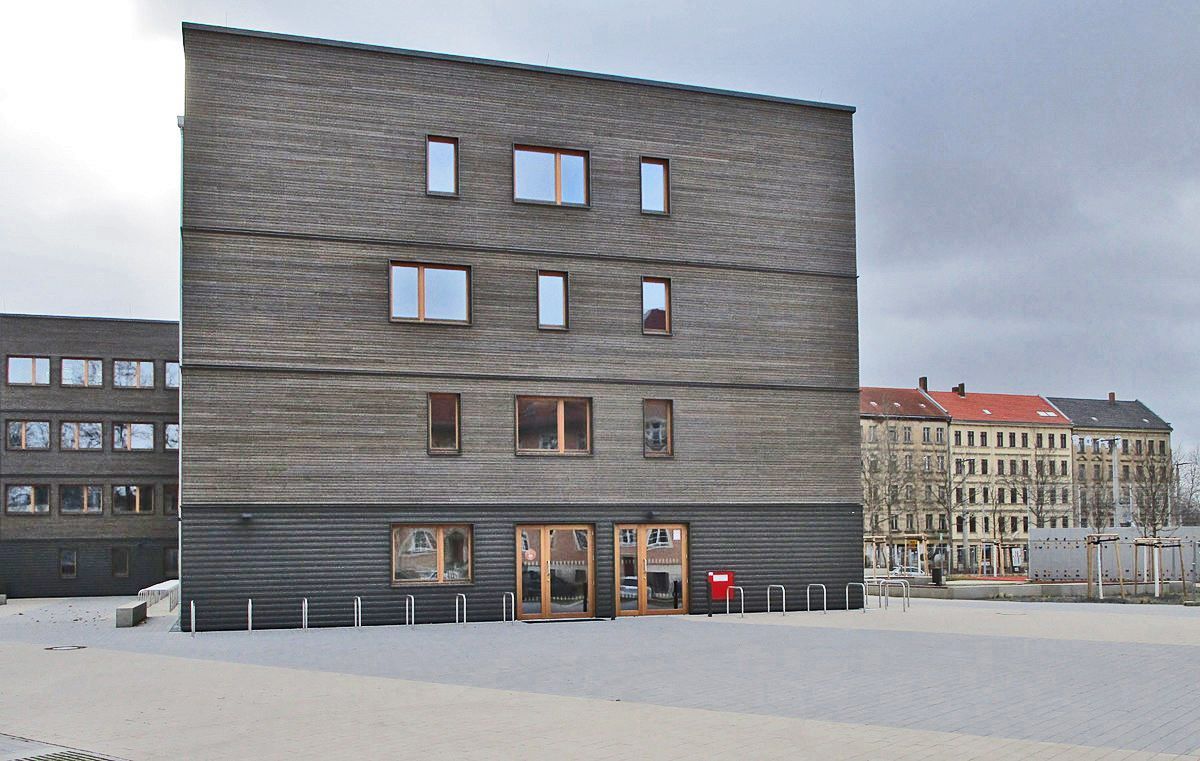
x=1155 y=545
x=1095 y=560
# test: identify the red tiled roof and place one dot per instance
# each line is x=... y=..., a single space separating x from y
x=897 y=402
x=999 y=408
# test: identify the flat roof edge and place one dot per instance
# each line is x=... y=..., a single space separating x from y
x=25 y=315
x=193 y=26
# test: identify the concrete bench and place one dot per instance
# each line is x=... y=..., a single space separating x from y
x=131 y=613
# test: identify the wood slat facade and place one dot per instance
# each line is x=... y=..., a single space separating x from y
x=305 y=407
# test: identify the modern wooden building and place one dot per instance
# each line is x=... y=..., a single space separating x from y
x=464 y=327
x=89 y=466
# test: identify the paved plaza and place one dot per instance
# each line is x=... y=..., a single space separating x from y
x=945 y=680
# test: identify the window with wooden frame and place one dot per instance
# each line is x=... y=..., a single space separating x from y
x=548 y=425
x=81 y=499
x=171 y=375
x=28 y=434
x=120 y=562
x=444 y=423
x=550 y=176
x=438 y=293
x=133 y=373
x=656 y=306
x=82 y=372
x=441 y=166
x=133 y=499
x=27 y=499
x=68 y=564
x=79 y=436
x=131 y=437
x=656 y=186
x=28 y=371
x=658 y=428
x=552 y=300
x=431 y=554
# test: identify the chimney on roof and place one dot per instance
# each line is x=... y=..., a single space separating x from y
x=1112 y=397
x=923 y=383
x=960 y=389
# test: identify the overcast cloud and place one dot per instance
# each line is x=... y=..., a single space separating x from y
x=1028 y=174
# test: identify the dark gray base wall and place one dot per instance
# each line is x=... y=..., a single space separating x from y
x=331 y=554
x=29 y=567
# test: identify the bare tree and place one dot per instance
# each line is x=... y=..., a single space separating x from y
x=887 y=481
x=1185 y=486
x=1039 y=483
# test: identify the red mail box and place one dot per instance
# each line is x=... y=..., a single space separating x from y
x=719 y=583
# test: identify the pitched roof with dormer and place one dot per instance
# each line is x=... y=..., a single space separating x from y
x=874 y=401
x=999 y=408
x=1106 y=413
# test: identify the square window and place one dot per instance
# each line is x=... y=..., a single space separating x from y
x=81 y=500
x=430 y=293
x=656 y=306
x=170 y=499
x=68 y=564
x=656 y=186
x=550 y=175
x=441 y=166
x=431 y=554
x=553 y=425
x=78 y=436
x=171 y=562
x=131 y=437
x=28 y=434
x=552 y=300
x=29 y=371
x=133 y=373
x=444 y=422
x=657 y=428
x=133 y=499
x=83 y=372
x=171 y=436
x=26 y=499
x=120 y=562
x=171 y=375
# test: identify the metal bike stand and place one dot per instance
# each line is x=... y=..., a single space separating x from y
x=741 y=599
x=460 y=597
x=304 y=613
x=783 y=596
x=509 y=597
x=410 y=610
x=357 y=612
x=866 y=597
x=824 y=597
x=250 y=615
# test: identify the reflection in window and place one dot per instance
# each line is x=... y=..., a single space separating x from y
x=444 y=423
x=441 y=165
x=27 y=499
x=170 y=499
x=550 y=175
x=81 y=436
x=68 y=564
x=552 y=425
x=133 y=498
x=657 y=428
x=29 y=371
x=83 y=372
x=552 y=300
x=81 y=500
x=28 y=434
x=427 y=292
x=431 y=554
x=656 y=305
x=171 y=375
x=133 y=436
x=133 y=373
x=657 y=537
x=171 y=436
x=655 y=186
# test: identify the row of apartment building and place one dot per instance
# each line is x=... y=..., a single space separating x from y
x=946 y=469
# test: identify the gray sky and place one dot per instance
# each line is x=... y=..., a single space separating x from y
x=1028 y=173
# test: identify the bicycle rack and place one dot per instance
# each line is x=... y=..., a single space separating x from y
x=824 y=598
x=783 y=595
x=250 y=614
x=866 y=597
x=410 y=610
x=886 y=599
x=192 y=606
x=357 y=612
x=741 y=598
x=463 y=598
x=509 y=597
x=304 y=613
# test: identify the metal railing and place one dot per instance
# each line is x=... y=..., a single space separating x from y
x=460 y=597
x=357 y=612
x=250 y=614
x=509 y=597
x=783 y=596
x=808 y=597
x=304 y=613
x=741 y=598
x=866 y=596
x=410 y=610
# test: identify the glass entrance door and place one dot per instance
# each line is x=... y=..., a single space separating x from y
x=555 y=571
x=651 y=568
